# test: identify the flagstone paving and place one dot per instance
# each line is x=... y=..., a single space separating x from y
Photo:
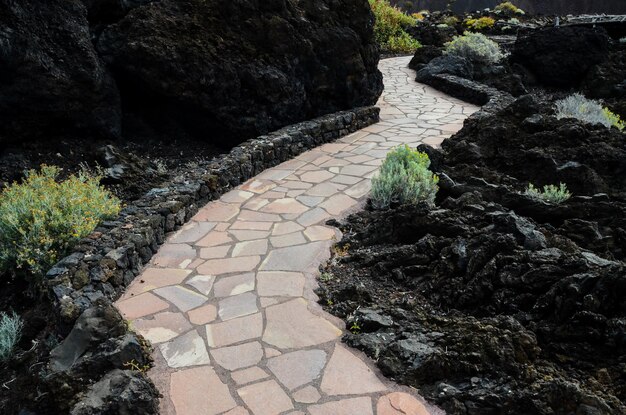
x=228 y=300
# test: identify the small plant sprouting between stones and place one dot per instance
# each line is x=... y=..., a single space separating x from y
x=550 y=193
x=508 y=8
x=482 y=23
x=10 y=333
x=475 y=47
x=41 y=218
x=404 y=178
x=326 y=276
x=587 y=110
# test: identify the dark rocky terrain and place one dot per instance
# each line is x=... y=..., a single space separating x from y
x=493 y=302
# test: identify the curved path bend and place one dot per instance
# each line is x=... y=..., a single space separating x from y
x=228 y=300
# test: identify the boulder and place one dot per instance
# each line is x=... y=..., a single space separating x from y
x=225 y=71
x=561 y=56
x=446 y=64
x=51 y=78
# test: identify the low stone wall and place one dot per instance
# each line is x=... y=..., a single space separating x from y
x=104 y=263
x=490 y=99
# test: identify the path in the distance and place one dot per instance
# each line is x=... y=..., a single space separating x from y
x=228 y=301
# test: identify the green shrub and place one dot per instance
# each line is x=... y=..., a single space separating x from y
x=389 y=28
x=476 y=47
x=41 y=219
x=550 y=193
x=508 y=8
x=404 y=178
x=481 y=23
x=622 y=40
x=587 y=110
x=10 y=333
x=451 y=21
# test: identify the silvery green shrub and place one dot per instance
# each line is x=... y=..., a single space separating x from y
x=10 y=333
x=404 y=178
x=587 y=110
x=476 y=47
x=550 y=193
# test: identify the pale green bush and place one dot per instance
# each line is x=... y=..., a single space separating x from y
x=41 y=219
x=10 y=332
x=476 y=47
x=404 y=178
x=550 y=193
x=389 y=28
x=587 y=110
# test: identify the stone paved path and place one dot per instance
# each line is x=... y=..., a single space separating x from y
x=228 y=301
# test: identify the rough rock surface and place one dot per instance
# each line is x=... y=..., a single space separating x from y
x=51 y=78
x=229 y=69
x=499 y=303
x=561 y=56
x=217 y=70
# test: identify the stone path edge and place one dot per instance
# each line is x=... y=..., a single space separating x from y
x=103 y=264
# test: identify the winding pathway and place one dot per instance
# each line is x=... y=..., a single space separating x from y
x=228 y=300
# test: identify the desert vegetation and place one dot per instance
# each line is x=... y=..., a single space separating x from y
x=390 y=28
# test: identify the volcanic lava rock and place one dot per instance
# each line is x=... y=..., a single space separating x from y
x=51 y=78
x=219 y=68
x=561 y=56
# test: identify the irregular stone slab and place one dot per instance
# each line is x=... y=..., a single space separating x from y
x=202 y=283
x=297 y=368
x=215 y=238
x=352 y=406
x=217 y=212
x=229 y=265
x=182 y=298
x=152 y=278
x=258 y=247
x=238 y=284
x=203 y=315
x=252 y=226
x=186 y=350
x=237 y=357
x=265 y=398
x=338 y=204
x=400 y=403
x=192 y=232
x=284 y=228
x=252 y=216
x=247 y=235
x=316 y=176
x=249 y=375
x=307 y=394
x=281 y=284
x=240 y=410
x=285 y=205
x=141 y=305
x=199 y=391
x=310 y=201
x=237 y=306
x=324 y=189
x=313 y=217
x=162 y=327
x=291 y=239
x=234 y=331
x=215 y=252
x=171 y=255
x=236 y=196
x=291 y=325
x=320 y=233
x=346 y=374
x=295 y=258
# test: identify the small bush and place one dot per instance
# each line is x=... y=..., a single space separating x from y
x=622 y=40
x=451 y=21
x=550 y=193
x=10 y=333
x=404 y=178
x=41 y=219
x=508 y=8
x=481 y=23
x=587 y=110
x=389 y=28
x=475 y=47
